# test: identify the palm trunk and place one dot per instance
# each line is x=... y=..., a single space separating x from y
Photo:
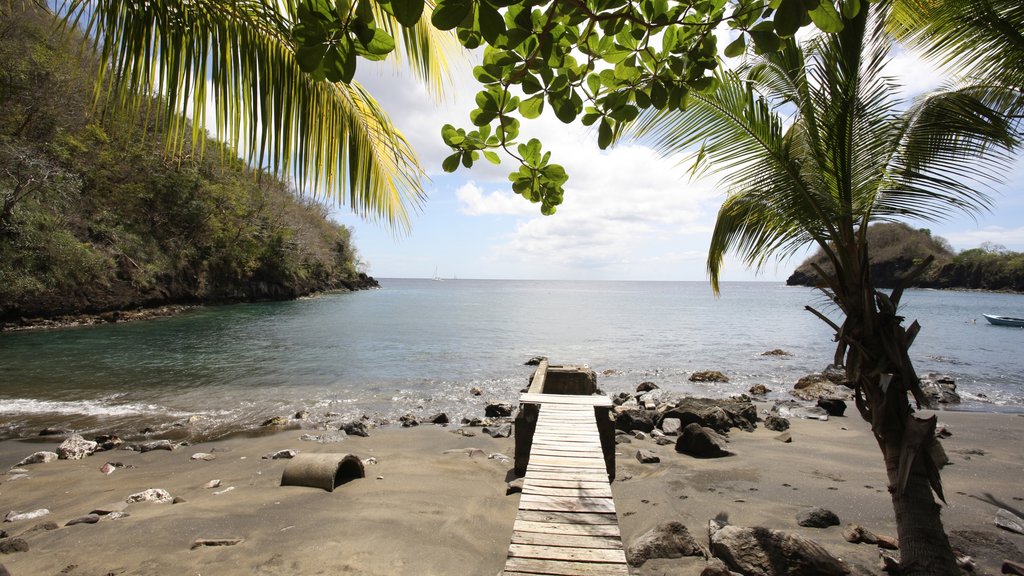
x=924 y=547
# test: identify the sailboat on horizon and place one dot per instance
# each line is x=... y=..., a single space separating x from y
x=437 y=278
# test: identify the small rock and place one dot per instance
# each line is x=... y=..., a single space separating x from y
x=669 y=540
x=212 y=484
x=671 y=426
x=640 y=435
x=326 y=438
x=700 y=442
x=13 y=516
x=224 y=491
x=476 y=391
x=275 y=421
x=408 y=421
x=664 y=441
x=155 y=495
x=646 y=386
x=75 y=448
x=54 y=432
x=834 y=406
x=647 y=457
x=1009 y=521
x=776 y=423
x=201 y=542
x=499 y=457
x=12 y=545
x=622 y=438
x=37 y=458
x=536 y=360
x=371 y=461
x=776 y=352
x=87 y=519
x=109 y=509
x=498 y=410
x=464 y=432
x=281 y=454
x=514 y=486
x=785 y=438
x=178 y=500
x=380 y=477
x=1011 y=567
x=356 y=428
x=631 y=420
x=503 y=431
x=108 y=468
x=202 y=456
x=708 y=376
x=156 y=445
x=439 y=418
x=817 y=518
x=759 y=390
x=301 y=415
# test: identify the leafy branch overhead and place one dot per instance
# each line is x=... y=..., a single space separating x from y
x=601 y=62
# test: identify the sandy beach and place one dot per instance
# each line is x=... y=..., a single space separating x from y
x=420 y=511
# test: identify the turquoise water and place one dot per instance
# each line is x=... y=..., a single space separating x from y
x=418 y=346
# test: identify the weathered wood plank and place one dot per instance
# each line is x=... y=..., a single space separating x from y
x=594 y=464
x=567 y=540
x=604 y=492
x=565 y=483
x=536 y=566
x=581 y=518
x=572 y=399
x=563 y=474
x=566 y=553
x=557 y=504
x=570 y=452
x=567 y=528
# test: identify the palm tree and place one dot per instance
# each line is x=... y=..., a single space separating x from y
x=813 y=149
x=242 y=56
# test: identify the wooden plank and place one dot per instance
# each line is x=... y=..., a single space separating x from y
x=579 y=518
x=567 y=528
x=572 y=399
x=540 y=566
x=563 y=474
x=558 y=504
x=566 y=553
x=570 y=451
x=563 y=483
x=567 y=540
x=593 y=464
x=604 y=492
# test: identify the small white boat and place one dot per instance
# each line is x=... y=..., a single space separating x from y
x=1004 y=320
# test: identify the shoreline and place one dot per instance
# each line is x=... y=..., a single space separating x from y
x=445 y=514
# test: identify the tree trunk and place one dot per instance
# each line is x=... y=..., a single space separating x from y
x=924 y=547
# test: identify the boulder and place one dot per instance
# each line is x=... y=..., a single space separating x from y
x=708 y=376
x=514 y=486
x=631 y=420
x=817 y=518
x=776 y=423
x=475 y=391
x=814 y=386
x=671 y=426
x=708 y=412
x=156 y=445
x=503 y=431
x=12 y=545
x=700 y=442
x=621 y=398
x=54 y=431
x=776 y=352
x=276 y=421
x=107 y=442
x=155 y=495
x=717 y=419
x=37 y=458
x=355 y=428
x=1009 y=521
x=206 y=456
x=646 y=386
x=647 y=457
x=785 y=438
x=536 y=360
x=75 y=448
x=834 y=406
x=622 y=438
x=939 y=389
x=794 y=409
x=498 y=410
x=13 y=516
x=668 y=540
x=663 y=441
x=759 y=390
x=439 y=418
x=87 y=519
x=408 y=421
x=771 y=552
x=301 y=415
x=280 y=455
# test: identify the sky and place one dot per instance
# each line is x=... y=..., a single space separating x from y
x=627 y=214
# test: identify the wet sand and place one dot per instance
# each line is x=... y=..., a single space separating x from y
x=432 y=513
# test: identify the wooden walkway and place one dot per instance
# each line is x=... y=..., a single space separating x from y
x=566 y=524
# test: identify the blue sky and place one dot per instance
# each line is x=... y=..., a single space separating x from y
x=628 y=214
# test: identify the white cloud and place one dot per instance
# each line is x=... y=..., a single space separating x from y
x=474 y=202
x=1012 y=238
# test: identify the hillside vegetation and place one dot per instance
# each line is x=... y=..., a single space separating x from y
x=897 y=248
x=97 y=215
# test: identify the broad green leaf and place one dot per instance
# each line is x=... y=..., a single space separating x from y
x=532 y=107
x=851 y=8
x=826 y=18
x=604 y=134
x=658 y=94
x=764 y=42
x=451 y=163
x=492 y=157
x=450 y=13
x=530 y=84
x=492 y=25
x=737 y=47
x=407 y=12
x=310 y=57
x=788 y=16
x=451 y=135
x=481 y=117
x=467 y=159
x=486 y=74
x=380 y=44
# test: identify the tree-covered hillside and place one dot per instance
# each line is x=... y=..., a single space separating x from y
x=897 y=248
x=97 y=215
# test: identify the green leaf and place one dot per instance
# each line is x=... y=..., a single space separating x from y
x=788 y=16
x=594 y=83
x=451 y=163
x=532 y=107
x=467 y=159
x=530 y=84
x=407 y=12
x=492 y=157
x=659 y=95
x=380 y=44
x=826 y=18
x=364 y=11
x=485 y=74
x=530 y=152
x=339 y=63
x=451 y=135
x=492 y=24
x=604 y=134
x=851 y=8
x=310 y=57
x=481 y=117
x=450 y=13
x=764 y=42
x=737 y=47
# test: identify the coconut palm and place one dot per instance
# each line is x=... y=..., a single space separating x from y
x=813 y=148
x=242 y=57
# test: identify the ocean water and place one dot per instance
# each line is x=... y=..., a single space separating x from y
x=418 y=346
